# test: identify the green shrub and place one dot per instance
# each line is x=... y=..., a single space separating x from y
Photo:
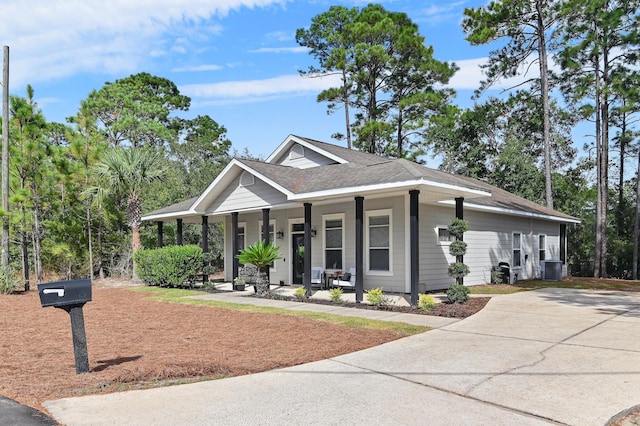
x=458 y=227
x=8 y=281
x=458 y=270
x=170 y=266
x=458 y=248
x=458 y=294
x=335 y=294
x=426 y=302
x=300 y=294
x=376 y=298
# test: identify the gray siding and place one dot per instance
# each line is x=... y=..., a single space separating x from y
x=309 y=159
x=489 y=242
x=237 y=198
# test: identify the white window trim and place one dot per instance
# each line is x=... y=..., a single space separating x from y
x=438 y=242
x=244 y=236
x=368 y=214
x=271 y=239
x=325 y=218
x=542 y=248
x=513 y=238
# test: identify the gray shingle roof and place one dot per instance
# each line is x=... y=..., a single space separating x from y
x=363 y=169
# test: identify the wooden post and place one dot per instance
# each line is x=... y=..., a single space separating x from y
x=414 y=245
x=179 y=232
x=234 y=246
x=79 y=335
x=307 y=248
x=359 y=249
x=160 y=234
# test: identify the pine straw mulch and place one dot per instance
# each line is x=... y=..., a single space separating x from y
x=135 y=342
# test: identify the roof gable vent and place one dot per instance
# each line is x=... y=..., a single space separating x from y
x=247 y=179
x=297 y=151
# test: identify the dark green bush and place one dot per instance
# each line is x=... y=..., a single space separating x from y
x=169 y=266
x=458 y=248
x=458 y=270
x=457 y=227
x=457 y=294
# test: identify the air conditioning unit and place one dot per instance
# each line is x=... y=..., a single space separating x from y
x=551 y=270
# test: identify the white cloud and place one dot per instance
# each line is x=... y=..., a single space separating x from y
x=258 y=90
x=198 y=68
x=298 y=49
x=470 y=75
x=58 y=38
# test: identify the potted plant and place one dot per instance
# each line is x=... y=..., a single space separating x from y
x=238 y=284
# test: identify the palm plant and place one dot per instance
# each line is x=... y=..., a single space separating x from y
x=261 y=255
x=126 y=173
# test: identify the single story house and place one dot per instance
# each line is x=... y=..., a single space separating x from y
x=339 y=209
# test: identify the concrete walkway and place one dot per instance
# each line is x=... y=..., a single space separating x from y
x=552 y=356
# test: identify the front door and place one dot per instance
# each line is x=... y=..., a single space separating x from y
x=298 y=257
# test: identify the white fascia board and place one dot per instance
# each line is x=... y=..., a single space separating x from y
x=514 y=212
x=388 y=186
x=213 y=184
x=218 y=179
x=292 y=138
x=156 y=217
x=257 y=208
x=267 y=180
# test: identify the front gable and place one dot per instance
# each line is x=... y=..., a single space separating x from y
x=301 y=154
x=246 y=192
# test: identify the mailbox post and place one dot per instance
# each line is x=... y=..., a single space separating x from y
x=71 y=296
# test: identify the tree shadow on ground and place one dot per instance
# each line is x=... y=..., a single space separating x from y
x=104 y=364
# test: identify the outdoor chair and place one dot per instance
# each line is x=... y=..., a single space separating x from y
x=316 y=276
x=346 y=280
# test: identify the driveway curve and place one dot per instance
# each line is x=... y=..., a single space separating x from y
x=552 y=356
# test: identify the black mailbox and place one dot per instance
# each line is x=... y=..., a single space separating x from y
x=65 y=293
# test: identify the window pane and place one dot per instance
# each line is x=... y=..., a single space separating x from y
x=379 y=259
x=334 y=223
x=333 y=238
x=379 y=237
x=333 y=259
x=378 y=220
x=297 y=227
x=516 y=258
x=516 y=241
x=443 y=235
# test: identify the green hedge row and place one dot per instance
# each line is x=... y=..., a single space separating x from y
x=169 y=266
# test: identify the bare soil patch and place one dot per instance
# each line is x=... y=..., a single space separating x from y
x=137 y=342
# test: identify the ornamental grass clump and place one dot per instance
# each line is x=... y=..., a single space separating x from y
x=376 y=298
x=335 y=295
x=426 y=303
x=300 y=294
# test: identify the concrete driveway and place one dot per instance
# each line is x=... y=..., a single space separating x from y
x=552 y=356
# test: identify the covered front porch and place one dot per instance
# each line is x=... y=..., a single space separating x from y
x=378 y=236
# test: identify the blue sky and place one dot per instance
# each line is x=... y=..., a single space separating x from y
x=237 y=59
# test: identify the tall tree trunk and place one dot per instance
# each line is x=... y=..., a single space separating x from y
x=347 y=119
x=37 y=243
x=605 y=165
x=399 y=151
x=636 y=224
x=623 y=147
x=544 y=91
x=598 y=246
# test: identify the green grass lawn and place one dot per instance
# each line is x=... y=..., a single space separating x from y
x=174 y=295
